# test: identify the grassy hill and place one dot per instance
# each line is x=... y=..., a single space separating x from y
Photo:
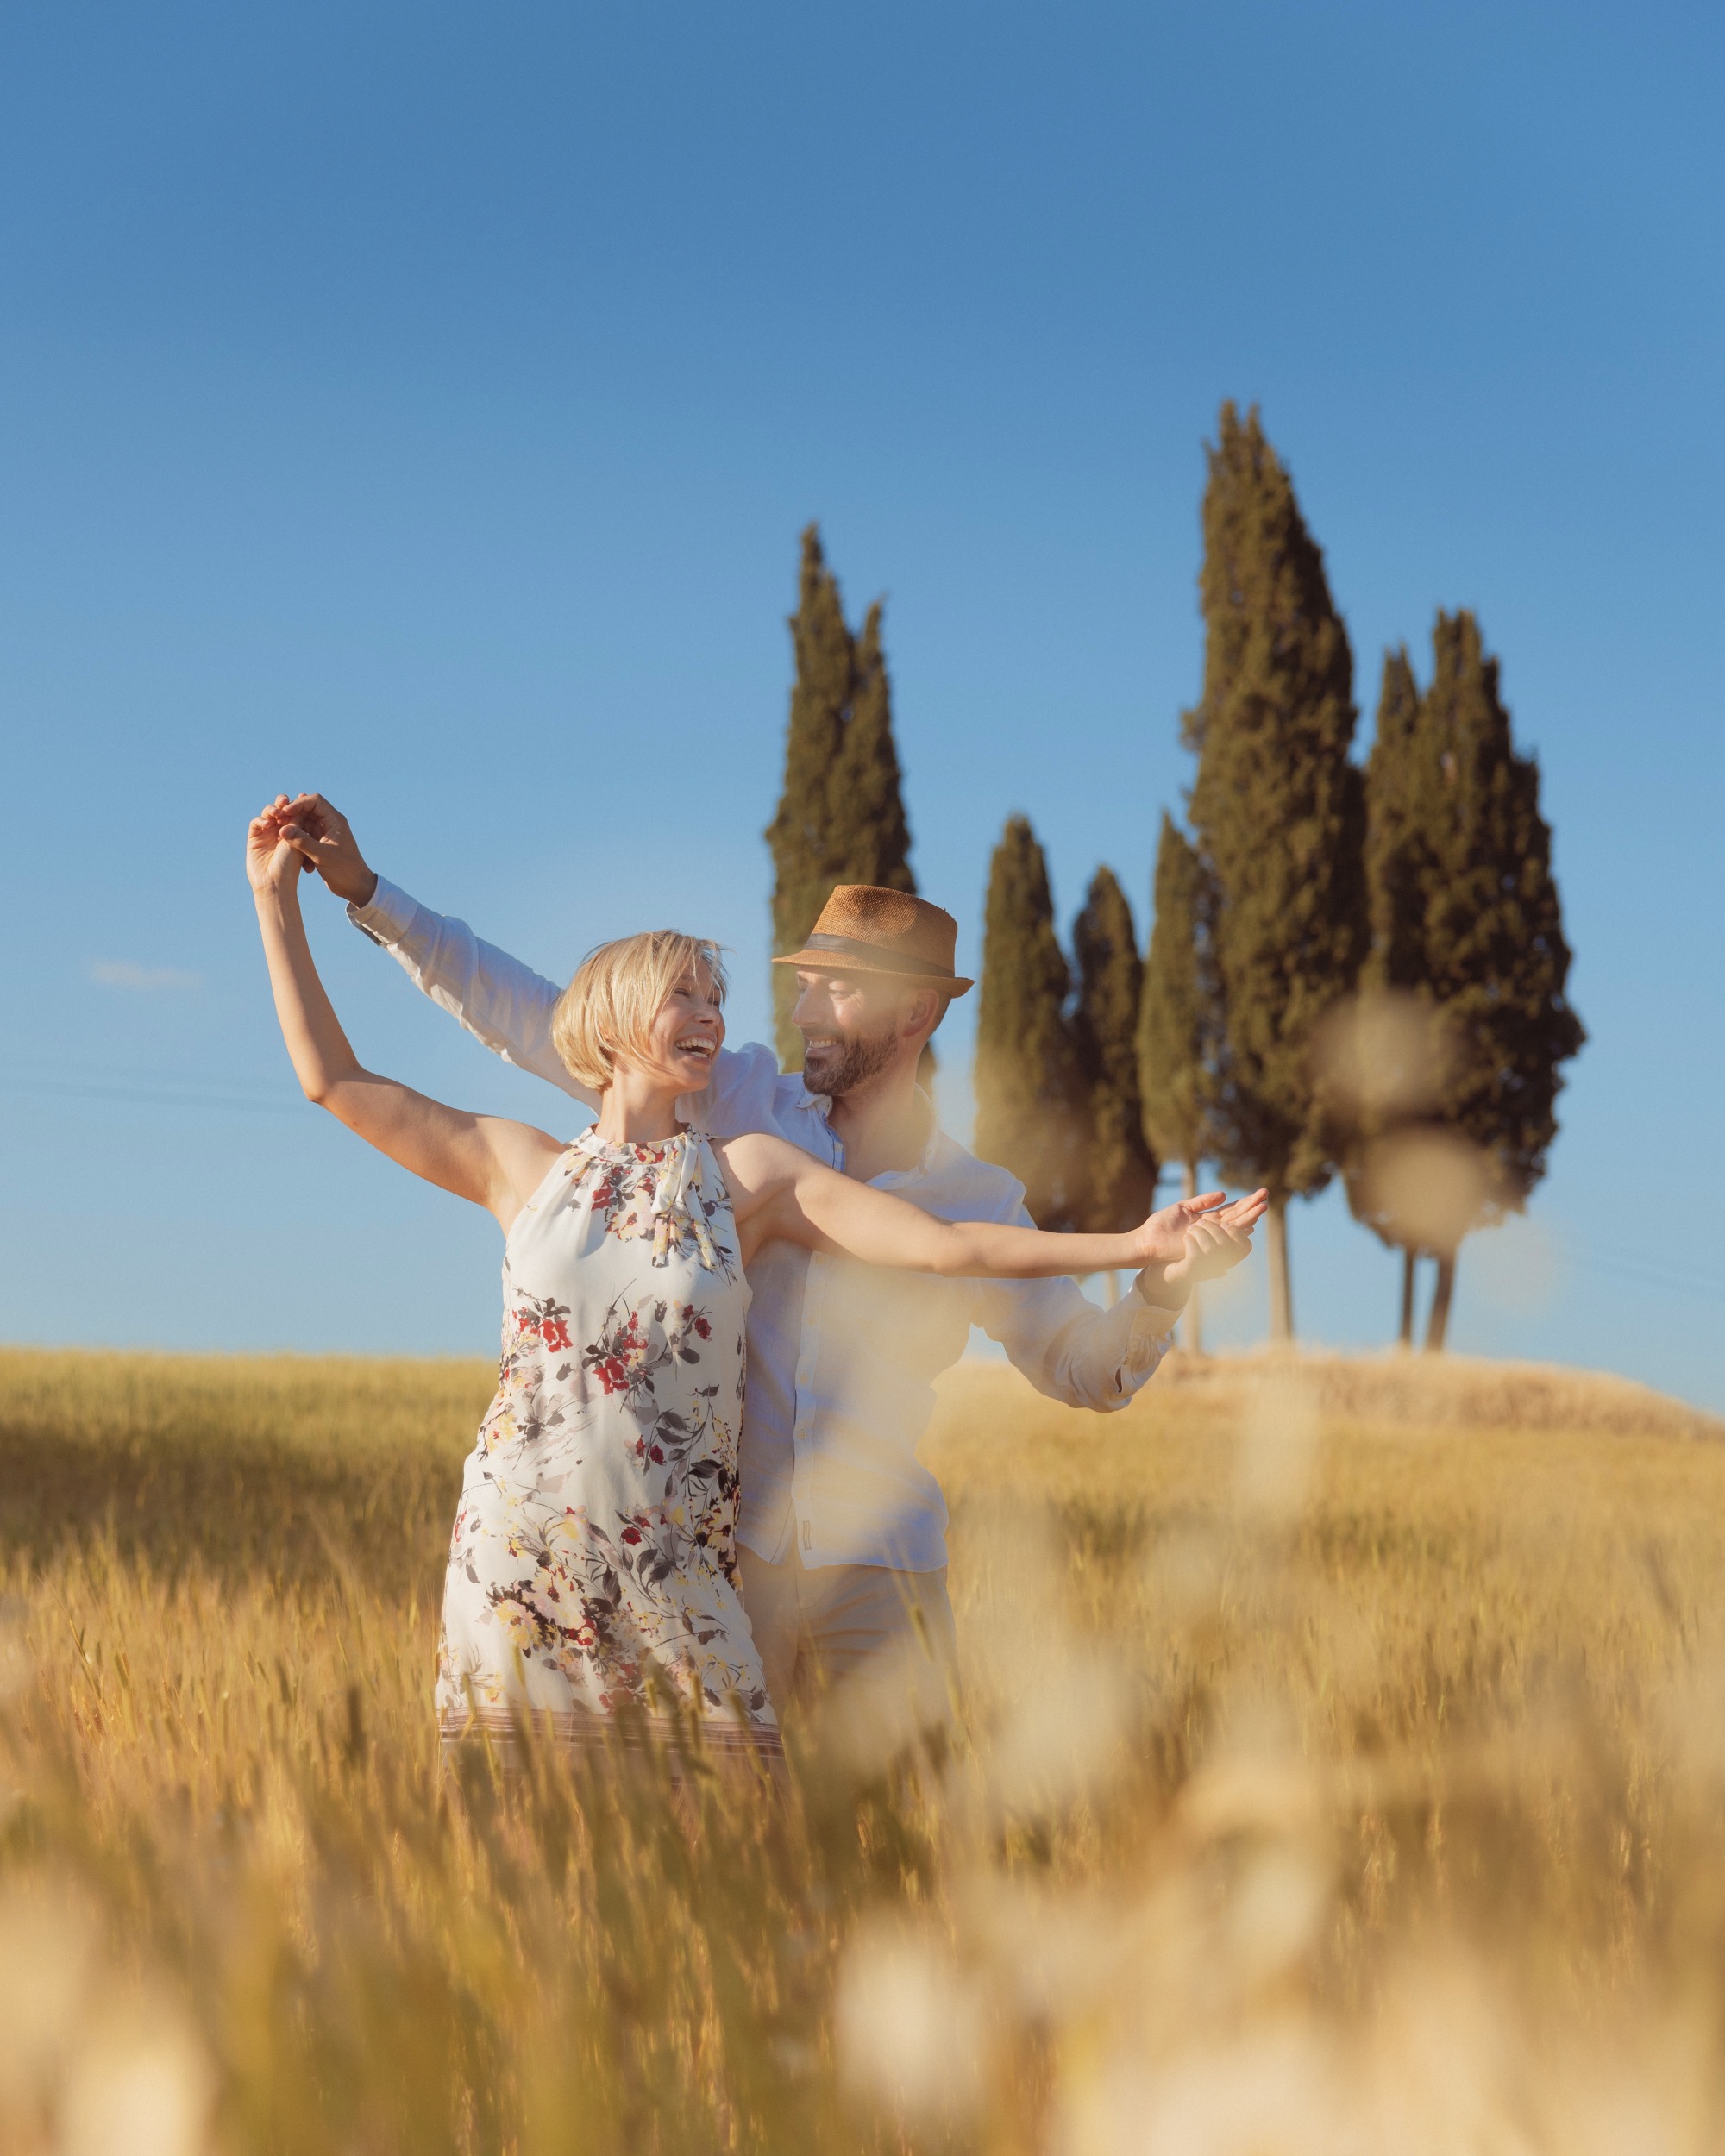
x=1343 y=1763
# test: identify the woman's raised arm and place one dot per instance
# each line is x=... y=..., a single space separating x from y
x=490 y=1160
x=780 y=1191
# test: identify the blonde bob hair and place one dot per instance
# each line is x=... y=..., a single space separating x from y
x=619 y=990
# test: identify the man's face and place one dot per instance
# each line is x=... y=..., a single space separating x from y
x=850 y=1025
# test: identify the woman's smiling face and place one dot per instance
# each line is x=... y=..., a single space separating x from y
x=688 y=1033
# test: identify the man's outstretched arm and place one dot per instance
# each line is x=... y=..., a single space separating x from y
x=499 y=1002
x=1070 y=1349
x=1095 y=1359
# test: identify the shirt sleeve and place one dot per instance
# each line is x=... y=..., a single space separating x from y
x=499 y=1002
x=1066 y=1346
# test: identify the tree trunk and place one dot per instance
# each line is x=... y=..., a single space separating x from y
x=1281 y=1288
x=1192 y=1321
x=1405 y=1337
x=1438 y=1325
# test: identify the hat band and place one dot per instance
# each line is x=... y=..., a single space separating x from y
x=851 y=947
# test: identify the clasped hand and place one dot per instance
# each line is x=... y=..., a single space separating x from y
x=321 y=836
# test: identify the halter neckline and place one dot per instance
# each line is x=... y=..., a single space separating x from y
x=635 y=1148
x=675 y=1188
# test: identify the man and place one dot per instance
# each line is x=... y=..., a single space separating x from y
x=842 y=1529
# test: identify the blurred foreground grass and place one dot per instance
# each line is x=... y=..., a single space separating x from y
x=1345 y=1769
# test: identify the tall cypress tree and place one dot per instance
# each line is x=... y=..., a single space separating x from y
x=841 y=818
x=1177 y=1017
x=1396 y=871
x=1278 y=812
x=1179 y=1021
x=1465 y=913
x=1026 y=1076
x=1116 y=1174
x=1397 y=859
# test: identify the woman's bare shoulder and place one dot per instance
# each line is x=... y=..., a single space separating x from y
x=756 y=1159
x=503 y=1131
x=523 y=1152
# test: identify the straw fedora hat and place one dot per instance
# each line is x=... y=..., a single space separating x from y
x=864 y=929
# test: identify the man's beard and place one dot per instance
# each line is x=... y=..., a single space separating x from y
x=847 y=1064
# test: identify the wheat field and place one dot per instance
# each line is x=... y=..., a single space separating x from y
x=1342 y=1768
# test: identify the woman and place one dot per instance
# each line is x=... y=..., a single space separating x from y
x=592 y=1566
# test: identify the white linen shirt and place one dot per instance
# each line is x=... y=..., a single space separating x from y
x=841 y=1356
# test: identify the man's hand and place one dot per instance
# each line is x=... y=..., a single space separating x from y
x=319 y=833
x=1199 y=1239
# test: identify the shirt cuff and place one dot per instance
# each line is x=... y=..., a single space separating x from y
x=1156 y=1316
x=386 y=915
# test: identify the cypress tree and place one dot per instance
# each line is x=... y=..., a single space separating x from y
x=1397 y=871
x=841 y=818
x=1278 y=812
x=1396 y=862
x=1026 y=1078
x=1465 y=914
x=1177 y=1021
x=1116 y=1180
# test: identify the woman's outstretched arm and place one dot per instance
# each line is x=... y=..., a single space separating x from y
x=780 y=1191
x=493 y=1161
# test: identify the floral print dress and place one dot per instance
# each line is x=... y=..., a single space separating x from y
x=592 y=1565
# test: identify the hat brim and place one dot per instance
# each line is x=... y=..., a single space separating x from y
x=948 y=984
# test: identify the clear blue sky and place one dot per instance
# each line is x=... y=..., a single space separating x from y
x=422 y=403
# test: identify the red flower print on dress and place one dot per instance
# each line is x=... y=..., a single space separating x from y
x=624 y=1358
x=541 y=1317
